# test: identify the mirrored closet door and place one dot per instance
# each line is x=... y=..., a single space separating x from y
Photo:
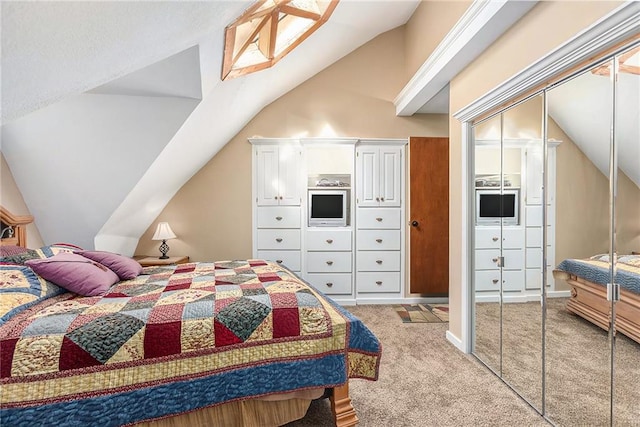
x=557 y=306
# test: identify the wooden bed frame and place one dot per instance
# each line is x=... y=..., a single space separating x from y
x=343 y=412
x=589 y=300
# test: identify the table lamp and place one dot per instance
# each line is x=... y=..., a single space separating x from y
x=164 y=233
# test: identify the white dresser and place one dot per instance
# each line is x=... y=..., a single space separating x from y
x=278 y=235
x=362 y=262
x=487 y=256
x=329 y=260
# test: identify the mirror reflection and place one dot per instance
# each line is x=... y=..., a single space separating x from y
x=488 y=237
x=626 y=397
x=577 y=340
x=547 y=320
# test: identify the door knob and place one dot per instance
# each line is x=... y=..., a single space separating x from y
x=414 y=223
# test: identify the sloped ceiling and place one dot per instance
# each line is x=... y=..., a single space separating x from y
x=582 y=107
x=113 y=144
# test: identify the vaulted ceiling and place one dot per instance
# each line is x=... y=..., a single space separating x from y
x=108 y=108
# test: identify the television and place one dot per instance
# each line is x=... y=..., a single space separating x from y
x=328 y=208
x=495 y=207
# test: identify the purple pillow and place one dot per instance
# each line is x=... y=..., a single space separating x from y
x=126 y=268
x=75 y=273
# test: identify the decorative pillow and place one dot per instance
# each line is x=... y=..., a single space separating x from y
x=51 y=250
x=75 y=273
x=126 y=268
x=20 y=288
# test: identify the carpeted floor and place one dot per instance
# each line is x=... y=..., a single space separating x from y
x=577 y=360
x=425 y=381
x=423 y=313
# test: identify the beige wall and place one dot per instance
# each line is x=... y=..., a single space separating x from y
x=11 y=199
x=544 y=28
x=211 y=214
x=426 y=28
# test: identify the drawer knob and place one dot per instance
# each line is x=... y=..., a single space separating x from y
x=495 y=239
x=278 y=218
x=279 y=261
x=379 y=240
x=495 y=281
x=329 y=285
x=379 y=282
x=329 y=241
x=278 y=240
x=329 y=262
x=379 y=261
x=379 y=219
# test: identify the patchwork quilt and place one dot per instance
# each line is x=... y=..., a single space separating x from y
x=174 y=339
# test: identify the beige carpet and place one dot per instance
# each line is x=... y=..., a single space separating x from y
x=425 y=381
x=578 y=363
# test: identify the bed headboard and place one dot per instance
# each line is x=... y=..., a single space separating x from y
x=13 y=228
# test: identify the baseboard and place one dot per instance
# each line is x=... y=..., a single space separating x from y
x=344 y=302
x=414 y=300
x=559 y=294
x=457 y=342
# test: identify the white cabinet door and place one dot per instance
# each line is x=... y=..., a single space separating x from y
x=267 y=175
x=289 y=175
x=390 y=176
x=367 y=176
x=534 y=171
x=378 y=176
x=278 y=175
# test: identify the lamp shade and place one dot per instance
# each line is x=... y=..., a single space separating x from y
x=163 y=232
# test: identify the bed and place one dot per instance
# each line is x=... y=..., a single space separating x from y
x=588 y=280
x=210 y=343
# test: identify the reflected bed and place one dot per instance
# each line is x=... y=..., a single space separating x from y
x=588 y=280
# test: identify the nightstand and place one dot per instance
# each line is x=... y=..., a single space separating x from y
x=154 y=260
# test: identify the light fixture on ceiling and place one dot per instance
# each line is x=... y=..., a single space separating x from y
x=268 y=30
x=629 y=62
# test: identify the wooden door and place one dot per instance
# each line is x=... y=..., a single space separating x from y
x=429 y=215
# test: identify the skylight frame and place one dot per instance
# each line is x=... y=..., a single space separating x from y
x=254 y=47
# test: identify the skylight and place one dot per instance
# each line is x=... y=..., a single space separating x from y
x=268 y=30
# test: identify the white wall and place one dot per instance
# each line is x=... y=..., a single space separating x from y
x=94 y=146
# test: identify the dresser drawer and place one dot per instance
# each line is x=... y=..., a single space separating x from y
x=378 y=282
x=331 y=283
x=329 y=240
x=487 y=259
x=278 y=239
x=289 y=259
x=489 y=280
x=493 y=238
x=329 y=262
x=377 y=218
x=374 y=240
x=378 y=260
x=278 y=217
